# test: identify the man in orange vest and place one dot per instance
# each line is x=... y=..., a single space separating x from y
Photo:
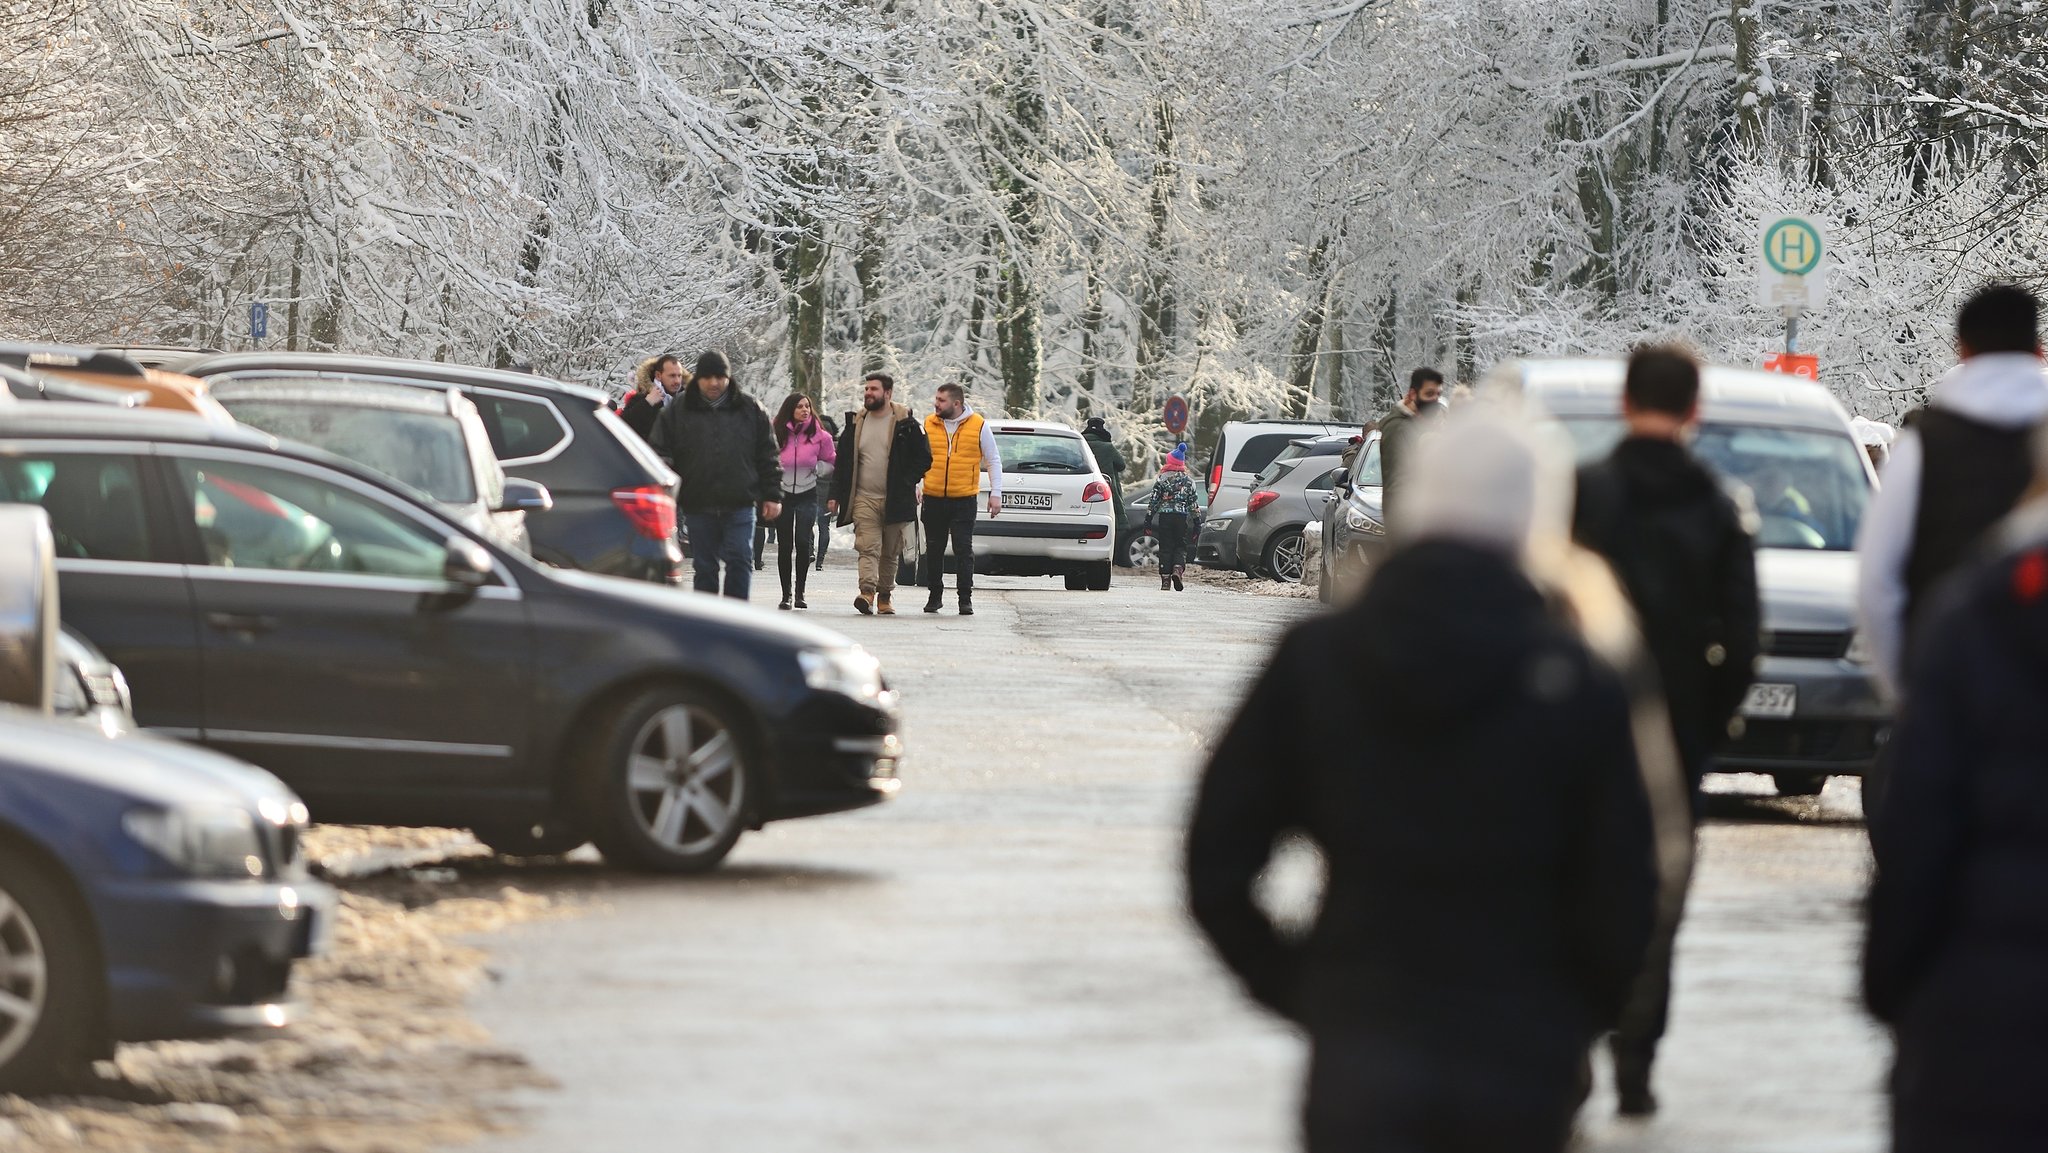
x=962 y=446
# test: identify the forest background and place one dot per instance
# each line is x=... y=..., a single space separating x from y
x=1075 y=207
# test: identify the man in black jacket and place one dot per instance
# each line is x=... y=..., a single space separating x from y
x=883 y=454
x=1683 y=552
x=720 y=443
x=1490 y=878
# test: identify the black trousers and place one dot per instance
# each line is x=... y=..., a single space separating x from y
x=949 y=518
x=1369 y=1094
x=1172 y=528
x=794 y=531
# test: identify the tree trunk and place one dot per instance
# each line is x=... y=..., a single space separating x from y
x=1752 y=96
x=807 y=308
x=874 y=320
x=1156 y=312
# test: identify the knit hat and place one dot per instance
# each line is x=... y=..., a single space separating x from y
x=711 y=364
x=1177 y=459
x=1095 y=424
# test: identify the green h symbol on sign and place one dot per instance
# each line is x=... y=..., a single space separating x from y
x=1792 y=247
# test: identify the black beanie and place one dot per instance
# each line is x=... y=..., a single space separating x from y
x=711 y=364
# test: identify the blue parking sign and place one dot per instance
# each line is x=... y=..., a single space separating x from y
x=259 y=320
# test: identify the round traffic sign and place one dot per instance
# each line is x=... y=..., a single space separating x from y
x=1176 y=414
x=1792 y=246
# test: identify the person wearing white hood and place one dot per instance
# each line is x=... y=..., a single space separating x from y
x=1961 y=464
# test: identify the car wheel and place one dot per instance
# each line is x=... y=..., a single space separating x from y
x=1097 y=576
x=545 y=839
x=1076 y=582
x=1141 y=549
x=1799 y=784
x=1285 y=555
x=46 y=980
x=669 y=782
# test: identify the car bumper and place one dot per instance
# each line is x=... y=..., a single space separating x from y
x=1083 y=539
x=1837 y=726
x=1217 y=548
x=833 y=754
x=191 y=958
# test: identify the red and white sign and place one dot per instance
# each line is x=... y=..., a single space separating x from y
x=1794 y=364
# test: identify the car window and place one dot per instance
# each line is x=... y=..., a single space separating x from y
x=424 y=450
x=1259 y=451
x=1043 y=453
x=94 y=502
x=1273 y=469
x=519 y=429
x=1324 y=482
x=256 y=517
x=1808 y=484
x=1369 y=465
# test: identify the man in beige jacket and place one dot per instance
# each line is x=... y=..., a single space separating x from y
x=883 y=453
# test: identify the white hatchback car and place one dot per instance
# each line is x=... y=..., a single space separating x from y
x=1058 y=518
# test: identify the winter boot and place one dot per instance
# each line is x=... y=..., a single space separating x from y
x=1165 y=580
x=884 y=607
x=1177 y=586
x=931 y=603
x=1632 y=1083
x=864 y=606
x=966 y=605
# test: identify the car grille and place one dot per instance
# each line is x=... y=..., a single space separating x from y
x=1805 y=740
x=1795 y=643
x=287 y=849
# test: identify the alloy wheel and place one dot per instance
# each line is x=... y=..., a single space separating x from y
x=1290 y=553
x=1143 y=551
x=688 y=788
x=24 y=977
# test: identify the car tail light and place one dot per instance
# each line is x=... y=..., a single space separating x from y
x=1096 y=490
x=651 y=509
x=1215 y=481
x=1261 y=499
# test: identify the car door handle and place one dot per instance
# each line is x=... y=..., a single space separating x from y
x=249 y=623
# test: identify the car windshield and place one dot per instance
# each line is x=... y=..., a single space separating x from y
x=424 y=450
x=1369 y=466
x=1055 y=453
x=1808 y=484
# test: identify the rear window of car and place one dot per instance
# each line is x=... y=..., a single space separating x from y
x=1043 y=453
x=520 y=429
x=424 y=450
x=1261 y=450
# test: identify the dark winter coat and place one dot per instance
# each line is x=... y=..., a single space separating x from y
x=1685 y=556
x=1398 y=431
x=1112 y=464
x=1467 y=768
x=910 y=457
x=640 y=412
x=1958 y=920
x=725 y=454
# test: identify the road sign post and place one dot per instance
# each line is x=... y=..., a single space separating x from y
x=1790 y=278
x=259 y=320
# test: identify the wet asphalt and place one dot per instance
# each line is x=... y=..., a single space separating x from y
x=998 y=959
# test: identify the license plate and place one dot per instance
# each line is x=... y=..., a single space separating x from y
x=1770 y=701
x=1032 y=500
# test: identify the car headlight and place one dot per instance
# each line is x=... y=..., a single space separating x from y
x=1859 y=651
x=201 y=841
x=851 y=671
x=1357 y=520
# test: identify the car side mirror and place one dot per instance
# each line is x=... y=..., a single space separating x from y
x=525 y=496
x=468 y=565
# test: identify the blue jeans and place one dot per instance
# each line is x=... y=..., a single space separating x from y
x=723 y=538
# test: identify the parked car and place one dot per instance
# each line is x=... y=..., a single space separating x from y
x=111 y=370
x=90 y=687
x=1814 y=710
x=1287 y=495
x=159 y=355
x=614 y=509
x=1354 y=527
x=38 y=386
x=1219 y=546
x=1138 y=547
x=395 y=667
x=431 y=439
x=148 y=890
x=1247 y=446
x=1057 y=517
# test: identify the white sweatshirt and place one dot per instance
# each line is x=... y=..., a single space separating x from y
x=2006 y=389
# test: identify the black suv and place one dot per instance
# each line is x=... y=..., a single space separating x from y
x=394 y=667
x=614 y=510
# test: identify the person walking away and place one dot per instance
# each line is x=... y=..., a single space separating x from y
x=1400 y=428
x=1958 y=467
x=962 y=446
x=807 y=456
x=1489 y=871
x=719 y=442
x=1171 y=510
x=884 y=453
x=1111 y=464
x=824 y=488
x=1958 y=928
x=657 y=378
x=1684 y=553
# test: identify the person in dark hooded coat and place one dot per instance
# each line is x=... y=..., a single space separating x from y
x=1111 y=463
x=1490 y=873
x=1958 y=941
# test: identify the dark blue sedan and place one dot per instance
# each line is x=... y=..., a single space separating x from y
x=148 y=890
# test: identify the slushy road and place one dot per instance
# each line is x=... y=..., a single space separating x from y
x=998 y=960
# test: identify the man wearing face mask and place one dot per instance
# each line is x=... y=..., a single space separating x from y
x=1402 y=425
x=882 y=455
x=962 y=446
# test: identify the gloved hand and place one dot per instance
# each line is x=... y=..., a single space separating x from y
x=1148 y=519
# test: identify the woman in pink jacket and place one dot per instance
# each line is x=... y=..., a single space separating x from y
x=808 y=455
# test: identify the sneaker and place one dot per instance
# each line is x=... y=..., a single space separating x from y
x=784 y=606
x=884 y=607
x=966 y=608
x=863 y=605
x=932 y=605
x=800 y=603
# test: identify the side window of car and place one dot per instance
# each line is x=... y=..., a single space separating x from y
x=1325 y=482
x=1369 y=466
x=254 y=517
x=94 y=502
x=1259 y=451
x=519 y=429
